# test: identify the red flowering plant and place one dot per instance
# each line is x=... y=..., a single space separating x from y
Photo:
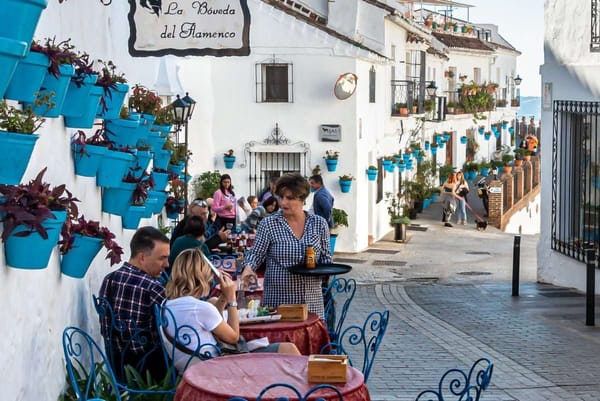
x=90 y=228
x=143 y=100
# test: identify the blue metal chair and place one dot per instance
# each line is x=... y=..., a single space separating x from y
x=226 y=263
x=339 y=290
x=183 y=338
x=364 y=339
x=88 y=368
x=456 y=384
x=296 y=394
x=153 y=358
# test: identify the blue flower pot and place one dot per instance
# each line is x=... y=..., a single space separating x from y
x=401 y=167
x=331 y=164
x=176 y=168
x=11 y=51
x=28 y=77
x=150 y=206
x=345 y=185
x=487 y=136
x=441 y=145
x=20 y=18
x=58 y=86
x=485 y=171
x=77 y=261
x=481 y=131
x=146 y=123
x=124 y=132
x=163 y=129
x=33 y=251
x=140 y=162
x=426 y=145
x=160 y=180
x=406 y=157
x=161 y=159
x=76 y=101
x=156 y=140
x=332 y=241
x=113 y=168
x=504 y=125
x=131 y=219
x=116 y=200
x=371 y=174
x=463 y=140
x=497 y=134
x=160 y=197
x=173 y=215
x=229 y=161
x=111 y=101
x=16 y=150
x=446 y=137
x=426 y=203
x=511 y=130
x=88 y=162
x=386 y=164
x=434 y=150
x=86 y=120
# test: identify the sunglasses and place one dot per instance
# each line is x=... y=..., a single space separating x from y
x=200 y=203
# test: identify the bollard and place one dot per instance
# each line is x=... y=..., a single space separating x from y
x=516 y=259
x=590 y=288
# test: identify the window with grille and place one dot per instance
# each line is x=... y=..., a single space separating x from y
x=372 y=82
x=274 y=82
x=576 y=178
x=595 y=37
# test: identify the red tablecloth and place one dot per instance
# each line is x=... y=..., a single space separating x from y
x=246 y=375
x=309 y=336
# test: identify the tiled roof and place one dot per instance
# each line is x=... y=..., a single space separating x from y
x=302 y=16
x=432 y=50
x=379 y=4
x=462 y=42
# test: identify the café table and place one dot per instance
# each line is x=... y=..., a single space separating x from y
x=245 y=375
x=309 y=336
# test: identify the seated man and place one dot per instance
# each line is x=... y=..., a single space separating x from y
x=132 y=291
x=214 y=233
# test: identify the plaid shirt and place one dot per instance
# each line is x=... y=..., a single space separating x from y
x=276 y=243
x=132 y=294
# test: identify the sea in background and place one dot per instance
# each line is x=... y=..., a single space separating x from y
x=531 y=106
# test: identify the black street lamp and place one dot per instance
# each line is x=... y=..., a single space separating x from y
x=517 y=80
x=182 y=110
x=431 y=88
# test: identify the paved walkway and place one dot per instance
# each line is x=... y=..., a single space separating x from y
x=449 y=295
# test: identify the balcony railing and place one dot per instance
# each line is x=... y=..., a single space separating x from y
x=407 y=93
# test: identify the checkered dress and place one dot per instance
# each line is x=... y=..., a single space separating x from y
x=276 y=243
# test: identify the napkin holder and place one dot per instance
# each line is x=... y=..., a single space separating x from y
x=327 y=368
x=293 y=312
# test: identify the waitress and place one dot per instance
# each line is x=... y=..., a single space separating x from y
x=224 y=202
x=281 y=242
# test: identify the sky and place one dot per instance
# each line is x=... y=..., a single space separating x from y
x=521 y=23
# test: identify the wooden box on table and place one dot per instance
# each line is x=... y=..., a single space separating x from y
x=327 y=368
x=293 y=312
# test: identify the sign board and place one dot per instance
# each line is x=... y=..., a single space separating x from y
x=495 y=190
x=330 y=132
x=189 y=27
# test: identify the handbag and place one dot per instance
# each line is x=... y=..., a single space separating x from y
x=463 y=192
x=241 y=347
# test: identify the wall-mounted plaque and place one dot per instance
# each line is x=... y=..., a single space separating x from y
x=495 y=190
x=330 y=132
x=189 y=27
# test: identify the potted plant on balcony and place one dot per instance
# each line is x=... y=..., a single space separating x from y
x=346 y=182
x=229 y=159
x=331 y=159
x=401 y=109
x=506 y=160
x=17 y=139
x=81 y=241
x=340 y=219
x=33 y=215
x=397 y=218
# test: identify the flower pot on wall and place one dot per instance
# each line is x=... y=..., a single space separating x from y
x=331 y=164
x=117 y=200
x=131 y=219
x=111 y=101
x=150 y=206
x=229 y=161
x=58 y=86
x=20 y=18
x=28 y=77
x=332 y=241
x=140 y=163
x=176 y=168
x=18 y=250
x=463 y=140
x=156 y=140
x=113 y=168
x=77 y=261
x=345 y=185
x=161 y=159
x=172 y=214
x=160 y=180
x=160 y=197
x=371 y=174
x=11 y=51
x=76 y=100
x=86 y=120
x=163 y=129
x=146 y=123
x=16 y=149
x=125 y=132
x=87 y=160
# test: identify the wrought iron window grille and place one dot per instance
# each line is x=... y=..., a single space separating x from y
x=274 y=81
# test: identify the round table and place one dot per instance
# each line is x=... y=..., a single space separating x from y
x=309 y=336
x=245 y=375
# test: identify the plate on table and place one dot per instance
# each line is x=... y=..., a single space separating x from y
x=321 y=269
x=260 y=319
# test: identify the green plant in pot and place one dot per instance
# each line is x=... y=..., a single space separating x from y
x=340 y=219
x=521 y=153
x=144 y=101
x=445 y=171
x=206 y=184
x=398 y=218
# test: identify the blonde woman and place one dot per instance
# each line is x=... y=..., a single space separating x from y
x=448 y=197
x=191 y=277
x=462 y=189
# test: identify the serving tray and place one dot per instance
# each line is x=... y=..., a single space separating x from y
x=261 y=319
x=321 y=269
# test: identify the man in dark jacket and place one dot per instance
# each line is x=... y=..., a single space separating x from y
x=322 y=200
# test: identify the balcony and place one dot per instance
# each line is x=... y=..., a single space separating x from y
x=407 y=98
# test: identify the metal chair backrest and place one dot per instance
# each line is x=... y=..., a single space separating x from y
x=461 y=386
x=321 y=389
x=340 y=289
x=366 y=339
x=227 y=263
x=88 y=368
x=181 y=342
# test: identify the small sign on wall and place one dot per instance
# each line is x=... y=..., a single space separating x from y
x=184 y=27
x=330 y=132
x=495 y=190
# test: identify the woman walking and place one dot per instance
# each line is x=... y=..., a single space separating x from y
x=462 y=189
x=448 y=195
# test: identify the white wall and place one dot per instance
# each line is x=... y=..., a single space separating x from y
x=526 y=220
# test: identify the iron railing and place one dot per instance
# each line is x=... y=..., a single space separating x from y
x=409 y=93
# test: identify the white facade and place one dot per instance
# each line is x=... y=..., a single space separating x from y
x=37 y=305
x=572 y=70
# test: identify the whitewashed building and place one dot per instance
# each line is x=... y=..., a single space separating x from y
x=570 y=116
x=275 y=107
